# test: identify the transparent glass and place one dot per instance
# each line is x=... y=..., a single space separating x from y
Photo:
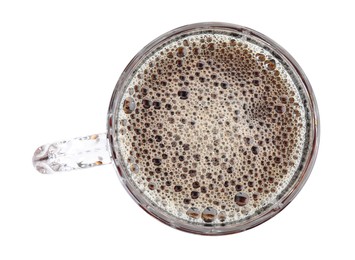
x=100 y=149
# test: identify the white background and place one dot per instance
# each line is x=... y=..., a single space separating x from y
x=59 y=62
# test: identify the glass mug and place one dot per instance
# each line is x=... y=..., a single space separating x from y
x=213 y=129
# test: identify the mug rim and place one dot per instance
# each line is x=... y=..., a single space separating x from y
x=174 y=221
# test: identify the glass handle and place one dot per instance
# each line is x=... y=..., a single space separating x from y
x=78 y=153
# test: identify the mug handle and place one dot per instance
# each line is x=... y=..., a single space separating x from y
x=77 y=153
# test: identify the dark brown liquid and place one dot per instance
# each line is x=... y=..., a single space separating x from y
x=212 y=128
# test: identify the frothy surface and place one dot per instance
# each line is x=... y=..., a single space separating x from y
x=212 y=128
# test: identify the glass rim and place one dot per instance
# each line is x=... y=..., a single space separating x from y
x=174 y=221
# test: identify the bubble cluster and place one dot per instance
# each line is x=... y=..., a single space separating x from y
x=212 y=128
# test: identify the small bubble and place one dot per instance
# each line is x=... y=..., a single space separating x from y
x=193 y=213
x=238 y=187
x=195 y=194
x=192 y=173
x=156 y=161
x=222 y=216
x=151 y=186
x=179 y=63
x=196 y=184
x=255 y=150
x=230 y=169
x=146 y=103
x=256 y=82
x=201 y=64
x=215 y=161
x=156 y=104
x=241 y=198
x=170 y=55
x=158 y=138
x=224 y=84
x=247 y=141
x=129 y=105
x=260 y=57
x=178 y=188
x=181 y=52
x=233 y=42
x=277 y=159
x=134 y=168
x=144 y=91
x=270 y=64
x=186 y=147
x=183 y=93
x=209 y=214
x=186 y=201
x=197 y=157
x=210 y=46
x=283 y=99
x=280 y=109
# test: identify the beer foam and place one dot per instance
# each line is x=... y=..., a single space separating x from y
x=212 y=128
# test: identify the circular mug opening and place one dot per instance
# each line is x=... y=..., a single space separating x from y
x=213 y=128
